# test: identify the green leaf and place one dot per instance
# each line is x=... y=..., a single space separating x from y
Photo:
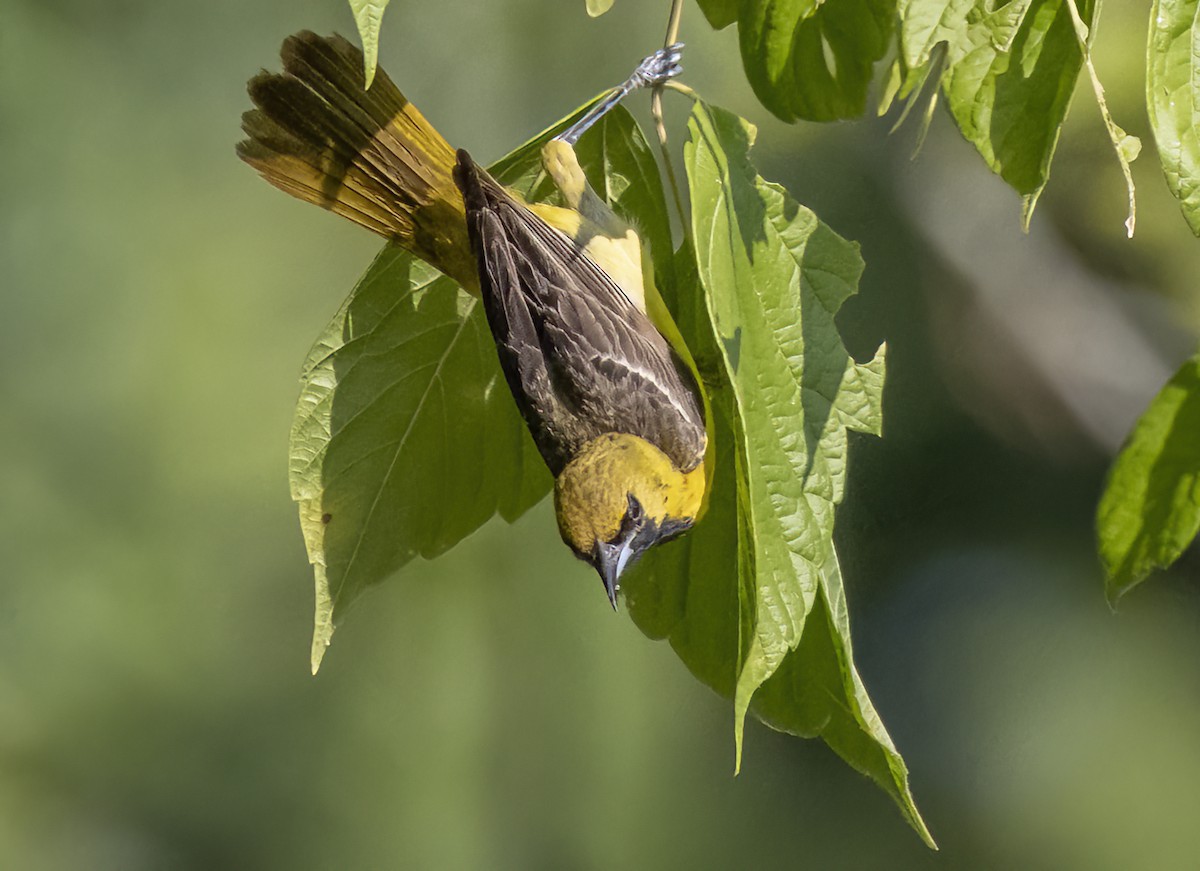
x=1009 y=78
x=596 y=8
x=406 y=438
x=368 y=16
x=1150 y=510
x=926 y=23
x=813 y=59
x=893 y=81
x=962 y=25
x=1173 y=98
x=720 y=13
x=752 y=600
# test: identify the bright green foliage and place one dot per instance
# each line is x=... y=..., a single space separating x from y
x=596 y=8
x=811 y=59
x=727 y=632
x=1008 y=71
x=1173 y=98
x=368 y=16
x=1011 y=103
x=785 y=392
x=963 y=25
x=1150 y=510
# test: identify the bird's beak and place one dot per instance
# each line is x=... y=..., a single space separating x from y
x=611 y=560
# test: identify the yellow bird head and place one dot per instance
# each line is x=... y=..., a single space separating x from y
x=619 y=496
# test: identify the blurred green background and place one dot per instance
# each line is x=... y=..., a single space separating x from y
x=487 y=710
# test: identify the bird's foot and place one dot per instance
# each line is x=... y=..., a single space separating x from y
x=659 y=68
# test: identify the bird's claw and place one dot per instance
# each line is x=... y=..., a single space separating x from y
x=654 y=70
x=660 y=67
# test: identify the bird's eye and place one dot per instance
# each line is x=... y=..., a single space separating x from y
x=634 y=512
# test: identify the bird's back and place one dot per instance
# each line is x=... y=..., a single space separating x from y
x=580 y=358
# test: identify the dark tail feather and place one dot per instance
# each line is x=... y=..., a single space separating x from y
x=470 y=181
x=369 y=156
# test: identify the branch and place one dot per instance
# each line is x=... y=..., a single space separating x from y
x=656 y=112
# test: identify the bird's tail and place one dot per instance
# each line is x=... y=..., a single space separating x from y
x=368 y=155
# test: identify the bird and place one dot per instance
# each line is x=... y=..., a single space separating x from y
x=598 y=371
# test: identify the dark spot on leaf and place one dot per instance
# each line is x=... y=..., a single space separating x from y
x=325 y=518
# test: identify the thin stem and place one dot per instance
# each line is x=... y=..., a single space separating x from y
x=656 y=112
x=673 y=23
x=681 y=88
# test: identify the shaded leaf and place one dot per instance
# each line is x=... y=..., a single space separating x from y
x=688 y=591
x=406 y=438
x=767 y=32
x=1173 y=99
x=720 y=13
x=1150 y=510
x=812 y=59
x=893 y=80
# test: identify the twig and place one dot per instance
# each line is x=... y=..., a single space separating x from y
x=681 y=88
x=656 y=112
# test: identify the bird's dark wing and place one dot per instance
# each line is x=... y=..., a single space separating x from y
x=580 y=358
